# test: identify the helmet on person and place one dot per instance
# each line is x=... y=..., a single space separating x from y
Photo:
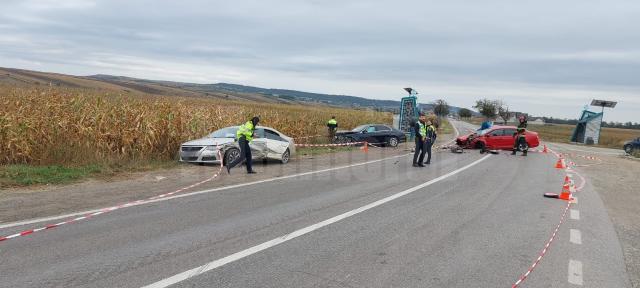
x=522 y=118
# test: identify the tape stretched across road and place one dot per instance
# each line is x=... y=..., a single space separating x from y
x=555 y=232
x=113 y=208
x=329 y=145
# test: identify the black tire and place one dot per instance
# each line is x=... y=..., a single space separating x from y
x=230 y=155
x=286 y=156
x=628 y=149
x=524 y=146
x=393 y=141
x=480 y=145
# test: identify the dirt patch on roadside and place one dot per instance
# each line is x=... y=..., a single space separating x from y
x=617 y=180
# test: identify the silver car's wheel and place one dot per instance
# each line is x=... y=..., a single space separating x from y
x=231 y=156
x=285 y=157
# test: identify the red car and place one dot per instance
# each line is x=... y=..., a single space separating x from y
x=495 y=138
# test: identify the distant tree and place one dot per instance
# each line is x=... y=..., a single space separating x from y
x=503 y=111
x=465 y=113
x=440 y=108
x=488 y=108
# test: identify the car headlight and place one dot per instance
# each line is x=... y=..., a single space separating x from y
x=211 y=148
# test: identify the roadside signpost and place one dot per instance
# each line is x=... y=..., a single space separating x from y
x=408 y=111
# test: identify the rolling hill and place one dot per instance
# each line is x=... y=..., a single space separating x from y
x=228 y=91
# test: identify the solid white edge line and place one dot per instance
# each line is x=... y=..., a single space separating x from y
x=52 y=218
x=47 y=219
x=260 y=247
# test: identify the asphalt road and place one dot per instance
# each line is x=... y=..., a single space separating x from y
x=467 y=220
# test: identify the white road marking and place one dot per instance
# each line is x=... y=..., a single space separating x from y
x=575 y=214
x=48 y=219
x=574 y=200
x=575 y=236
x=284 y=238
x=160 y=178
x=575 y=272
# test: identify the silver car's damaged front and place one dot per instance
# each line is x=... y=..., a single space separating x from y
x=199 y=153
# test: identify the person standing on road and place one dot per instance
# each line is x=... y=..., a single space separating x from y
x=520 y=137
x=244 y=136
x=429 y=140
x=420 y=130
x=332 y=125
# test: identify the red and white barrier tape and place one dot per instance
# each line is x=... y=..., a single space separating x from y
x=113 y=208
x=555 y=232
x=329 y=145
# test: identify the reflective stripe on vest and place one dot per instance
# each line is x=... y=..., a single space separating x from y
x=332 y=122
x=245 y=130
x=423 y=129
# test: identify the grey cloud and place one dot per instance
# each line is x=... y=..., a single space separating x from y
x=557 y=43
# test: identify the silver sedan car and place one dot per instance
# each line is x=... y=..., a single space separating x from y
x=268 y=143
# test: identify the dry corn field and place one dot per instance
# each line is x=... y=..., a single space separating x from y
x=75 y=127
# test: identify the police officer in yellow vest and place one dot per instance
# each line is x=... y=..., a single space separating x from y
x=430 y=133
x=420 y=130
x=244 y=136
x=332 y=125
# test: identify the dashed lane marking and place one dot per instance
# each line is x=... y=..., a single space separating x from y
x=575 y=236
x=575 y=214
x=575 y=272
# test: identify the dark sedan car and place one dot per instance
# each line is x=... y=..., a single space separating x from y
x=373 y=133
x=632 y=146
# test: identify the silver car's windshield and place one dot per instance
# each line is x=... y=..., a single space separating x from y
x=359 y=128
x=229 y=132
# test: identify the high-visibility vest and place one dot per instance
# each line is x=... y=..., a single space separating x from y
x=246 y=130
x=332 y=122
x=423 y=130
x=430 y=129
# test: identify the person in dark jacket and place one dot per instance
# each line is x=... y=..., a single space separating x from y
x=429 y=140
x=244 y=136
x=520 y=136
x=420 y=130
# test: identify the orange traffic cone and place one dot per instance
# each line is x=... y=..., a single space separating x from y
x=560 y=164
x=545 y=150
x=566 y=192
x=365 y=148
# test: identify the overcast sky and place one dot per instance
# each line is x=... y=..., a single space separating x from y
x=543 y=57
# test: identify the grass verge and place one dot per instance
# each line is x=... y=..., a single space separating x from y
x=17 y=175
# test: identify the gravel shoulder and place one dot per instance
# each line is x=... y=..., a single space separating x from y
x=615 y=178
